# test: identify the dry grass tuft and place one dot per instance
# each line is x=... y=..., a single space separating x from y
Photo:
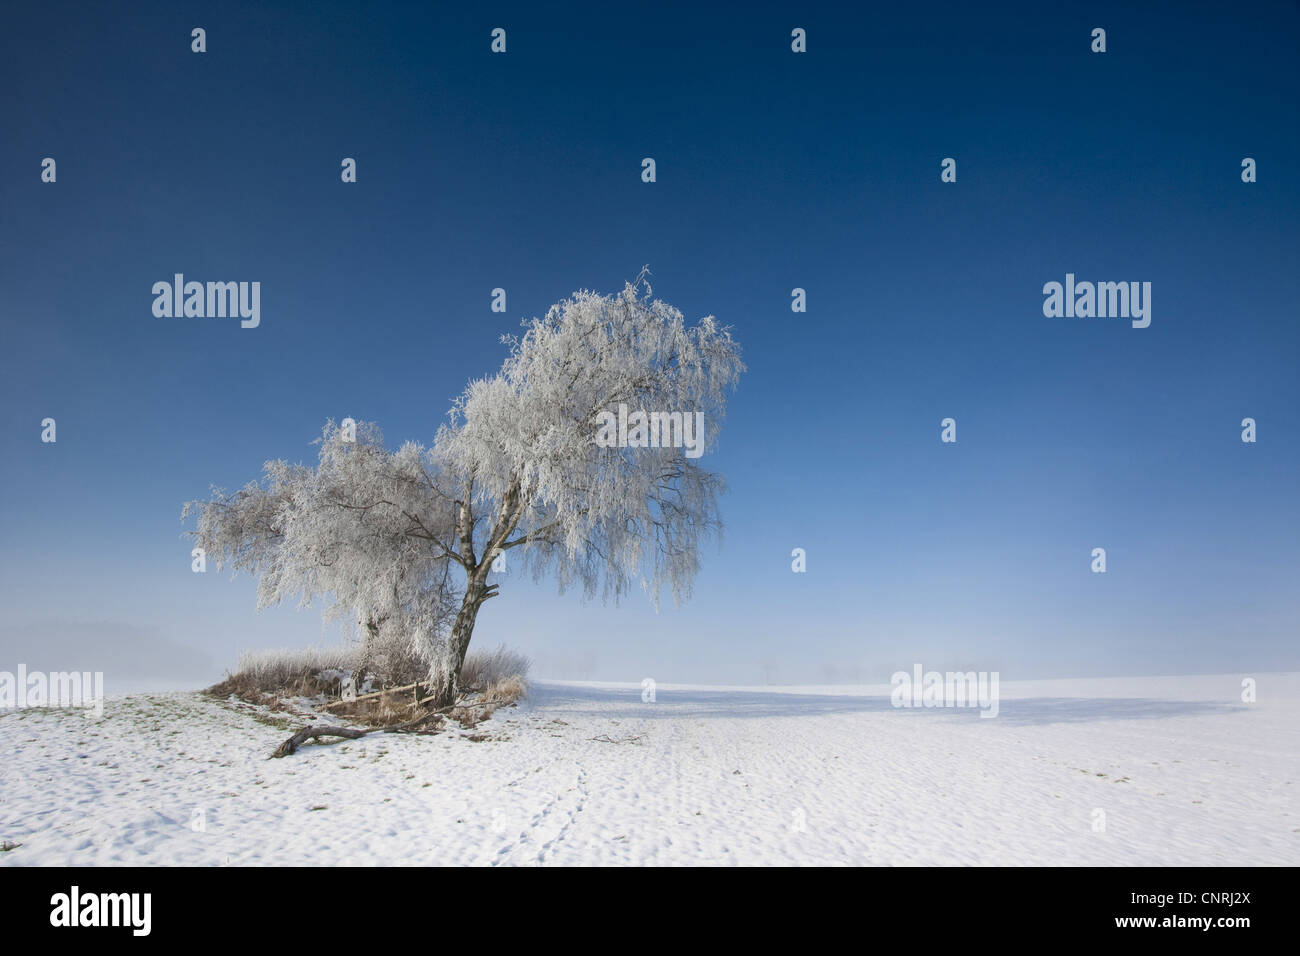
x=286 y=673
x=489 y=680
x=507 y=691
x=485 y=668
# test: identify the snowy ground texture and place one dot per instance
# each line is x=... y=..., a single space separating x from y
x=589 y=774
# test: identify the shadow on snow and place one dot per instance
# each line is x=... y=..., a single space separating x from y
x=625 y=703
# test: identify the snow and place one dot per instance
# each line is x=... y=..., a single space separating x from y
x=1185 y=773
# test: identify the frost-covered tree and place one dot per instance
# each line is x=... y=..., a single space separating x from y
x=521 y=466
x=354 y=532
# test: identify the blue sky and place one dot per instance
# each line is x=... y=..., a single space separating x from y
x=775 y=170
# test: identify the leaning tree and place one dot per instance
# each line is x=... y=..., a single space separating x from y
x=527 y=463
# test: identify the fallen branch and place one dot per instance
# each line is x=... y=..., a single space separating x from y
x=313 y=733
x=317 y=731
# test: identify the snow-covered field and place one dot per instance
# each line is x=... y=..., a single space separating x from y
x=589 y=774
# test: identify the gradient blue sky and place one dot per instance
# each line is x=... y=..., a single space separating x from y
x=775 y=170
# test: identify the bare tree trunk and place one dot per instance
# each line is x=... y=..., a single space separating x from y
x=364 y=659
x=448 y=689
x=446 y=684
